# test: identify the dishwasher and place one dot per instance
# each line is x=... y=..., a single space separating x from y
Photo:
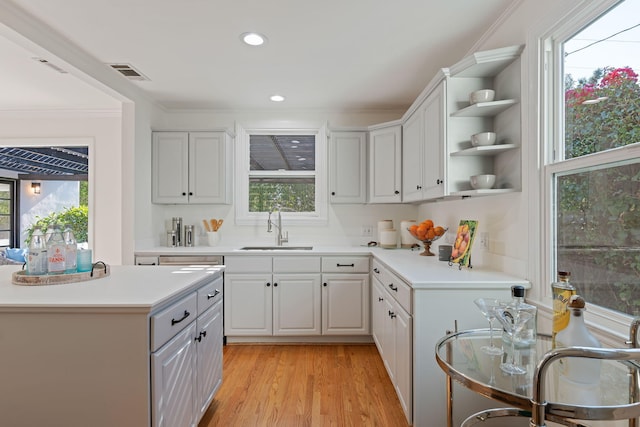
x=190 y=260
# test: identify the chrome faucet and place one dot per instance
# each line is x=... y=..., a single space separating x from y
x=280 y=239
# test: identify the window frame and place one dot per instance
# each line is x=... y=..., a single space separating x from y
x=13 y=215
x=243 y=216
x=551 y=148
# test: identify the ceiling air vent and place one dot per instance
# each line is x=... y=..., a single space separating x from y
x=50 y=65
x=128 y=71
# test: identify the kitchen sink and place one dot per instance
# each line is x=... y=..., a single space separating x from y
x=276 y=248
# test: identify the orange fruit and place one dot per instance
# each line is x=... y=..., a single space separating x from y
x=421 y=232
x=428 y=223
x=439 y=231
x=413 y=229
x=431 y=233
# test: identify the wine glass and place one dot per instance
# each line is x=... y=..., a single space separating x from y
x=487 y=306
x=513 y=323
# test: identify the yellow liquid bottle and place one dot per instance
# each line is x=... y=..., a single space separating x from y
x=562 y=290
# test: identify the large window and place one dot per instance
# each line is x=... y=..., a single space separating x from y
x=286 y=170
x=593 y=162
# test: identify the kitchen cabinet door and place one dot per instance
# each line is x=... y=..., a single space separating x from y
x=385 y=165
x=210 y=173
x=403 y=372
x=209 y=356
x=248 y=304
x=412 y=142
x=348 y=167
x=170 y=168
x=173 y=381
x=378 y=297
x=423 y=139
x=434 y=142
x=296 y=304
x=191 y=168
x=345 y=304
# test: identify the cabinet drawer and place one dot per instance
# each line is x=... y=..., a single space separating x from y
x=173 y=319
x=398 y=288
x=209 y=294
x=377 y=269
x=247 y=264
x=296 y=264
x=345 y=264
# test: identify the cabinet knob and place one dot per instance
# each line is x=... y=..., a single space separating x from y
x=275 y=284
x=418 y=187
x=380 y=299
x=439 y=181
x=184 y=194
x=191 y=193
x=375 y=270
x=333 y=193
x=268 y=284
x=324 y=284
x=199 y=337
x=396 y=192
x=392 y=287
x=392 y=315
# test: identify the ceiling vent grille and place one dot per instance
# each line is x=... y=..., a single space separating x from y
x=129 y=72
x=50 y=65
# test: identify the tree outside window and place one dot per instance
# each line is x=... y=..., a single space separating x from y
x=597 y=208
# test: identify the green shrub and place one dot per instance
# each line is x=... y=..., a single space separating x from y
x=77 y=218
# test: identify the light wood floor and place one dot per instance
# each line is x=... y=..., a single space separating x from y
x=304 y=385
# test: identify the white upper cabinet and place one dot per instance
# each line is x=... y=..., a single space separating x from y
x=423 y=139
x=348 y=167
x=500 y=70
x=385 y=164
x=191 y=168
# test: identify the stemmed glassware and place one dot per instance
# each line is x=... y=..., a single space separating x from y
x=513 y=323
x=487 y=306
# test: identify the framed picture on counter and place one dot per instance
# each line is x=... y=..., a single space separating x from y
x=461 y=252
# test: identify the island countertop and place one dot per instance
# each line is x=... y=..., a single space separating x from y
x=135 y=288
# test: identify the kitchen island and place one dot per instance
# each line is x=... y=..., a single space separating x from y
x=85 y=353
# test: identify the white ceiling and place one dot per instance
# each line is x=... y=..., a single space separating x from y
x=339 y=55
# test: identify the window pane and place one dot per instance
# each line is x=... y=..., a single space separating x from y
x=5 y=239
x=291 y=194
x=598 y=234
x=602 y=95
x=282 y=152
x=5 y=222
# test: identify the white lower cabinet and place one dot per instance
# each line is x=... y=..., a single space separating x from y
x=392 y=332
x=345 y=304
x=296 y=296
x=296 y=304
x=280 y=297
x=173 y=370
x=209 y=357
x=186 y=358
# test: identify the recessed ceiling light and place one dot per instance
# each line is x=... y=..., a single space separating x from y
x=301 y=159
x=277 y=98
x=295 y=141
x=253 y=39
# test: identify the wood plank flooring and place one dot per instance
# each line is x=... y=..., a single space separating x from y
x=304 y=385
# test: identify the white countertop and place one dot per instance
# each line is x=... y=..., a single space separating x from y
x=135 y=288
x=419 y=271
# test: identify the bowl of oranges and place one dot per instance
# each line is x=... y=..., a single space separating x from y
x=427 y=233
